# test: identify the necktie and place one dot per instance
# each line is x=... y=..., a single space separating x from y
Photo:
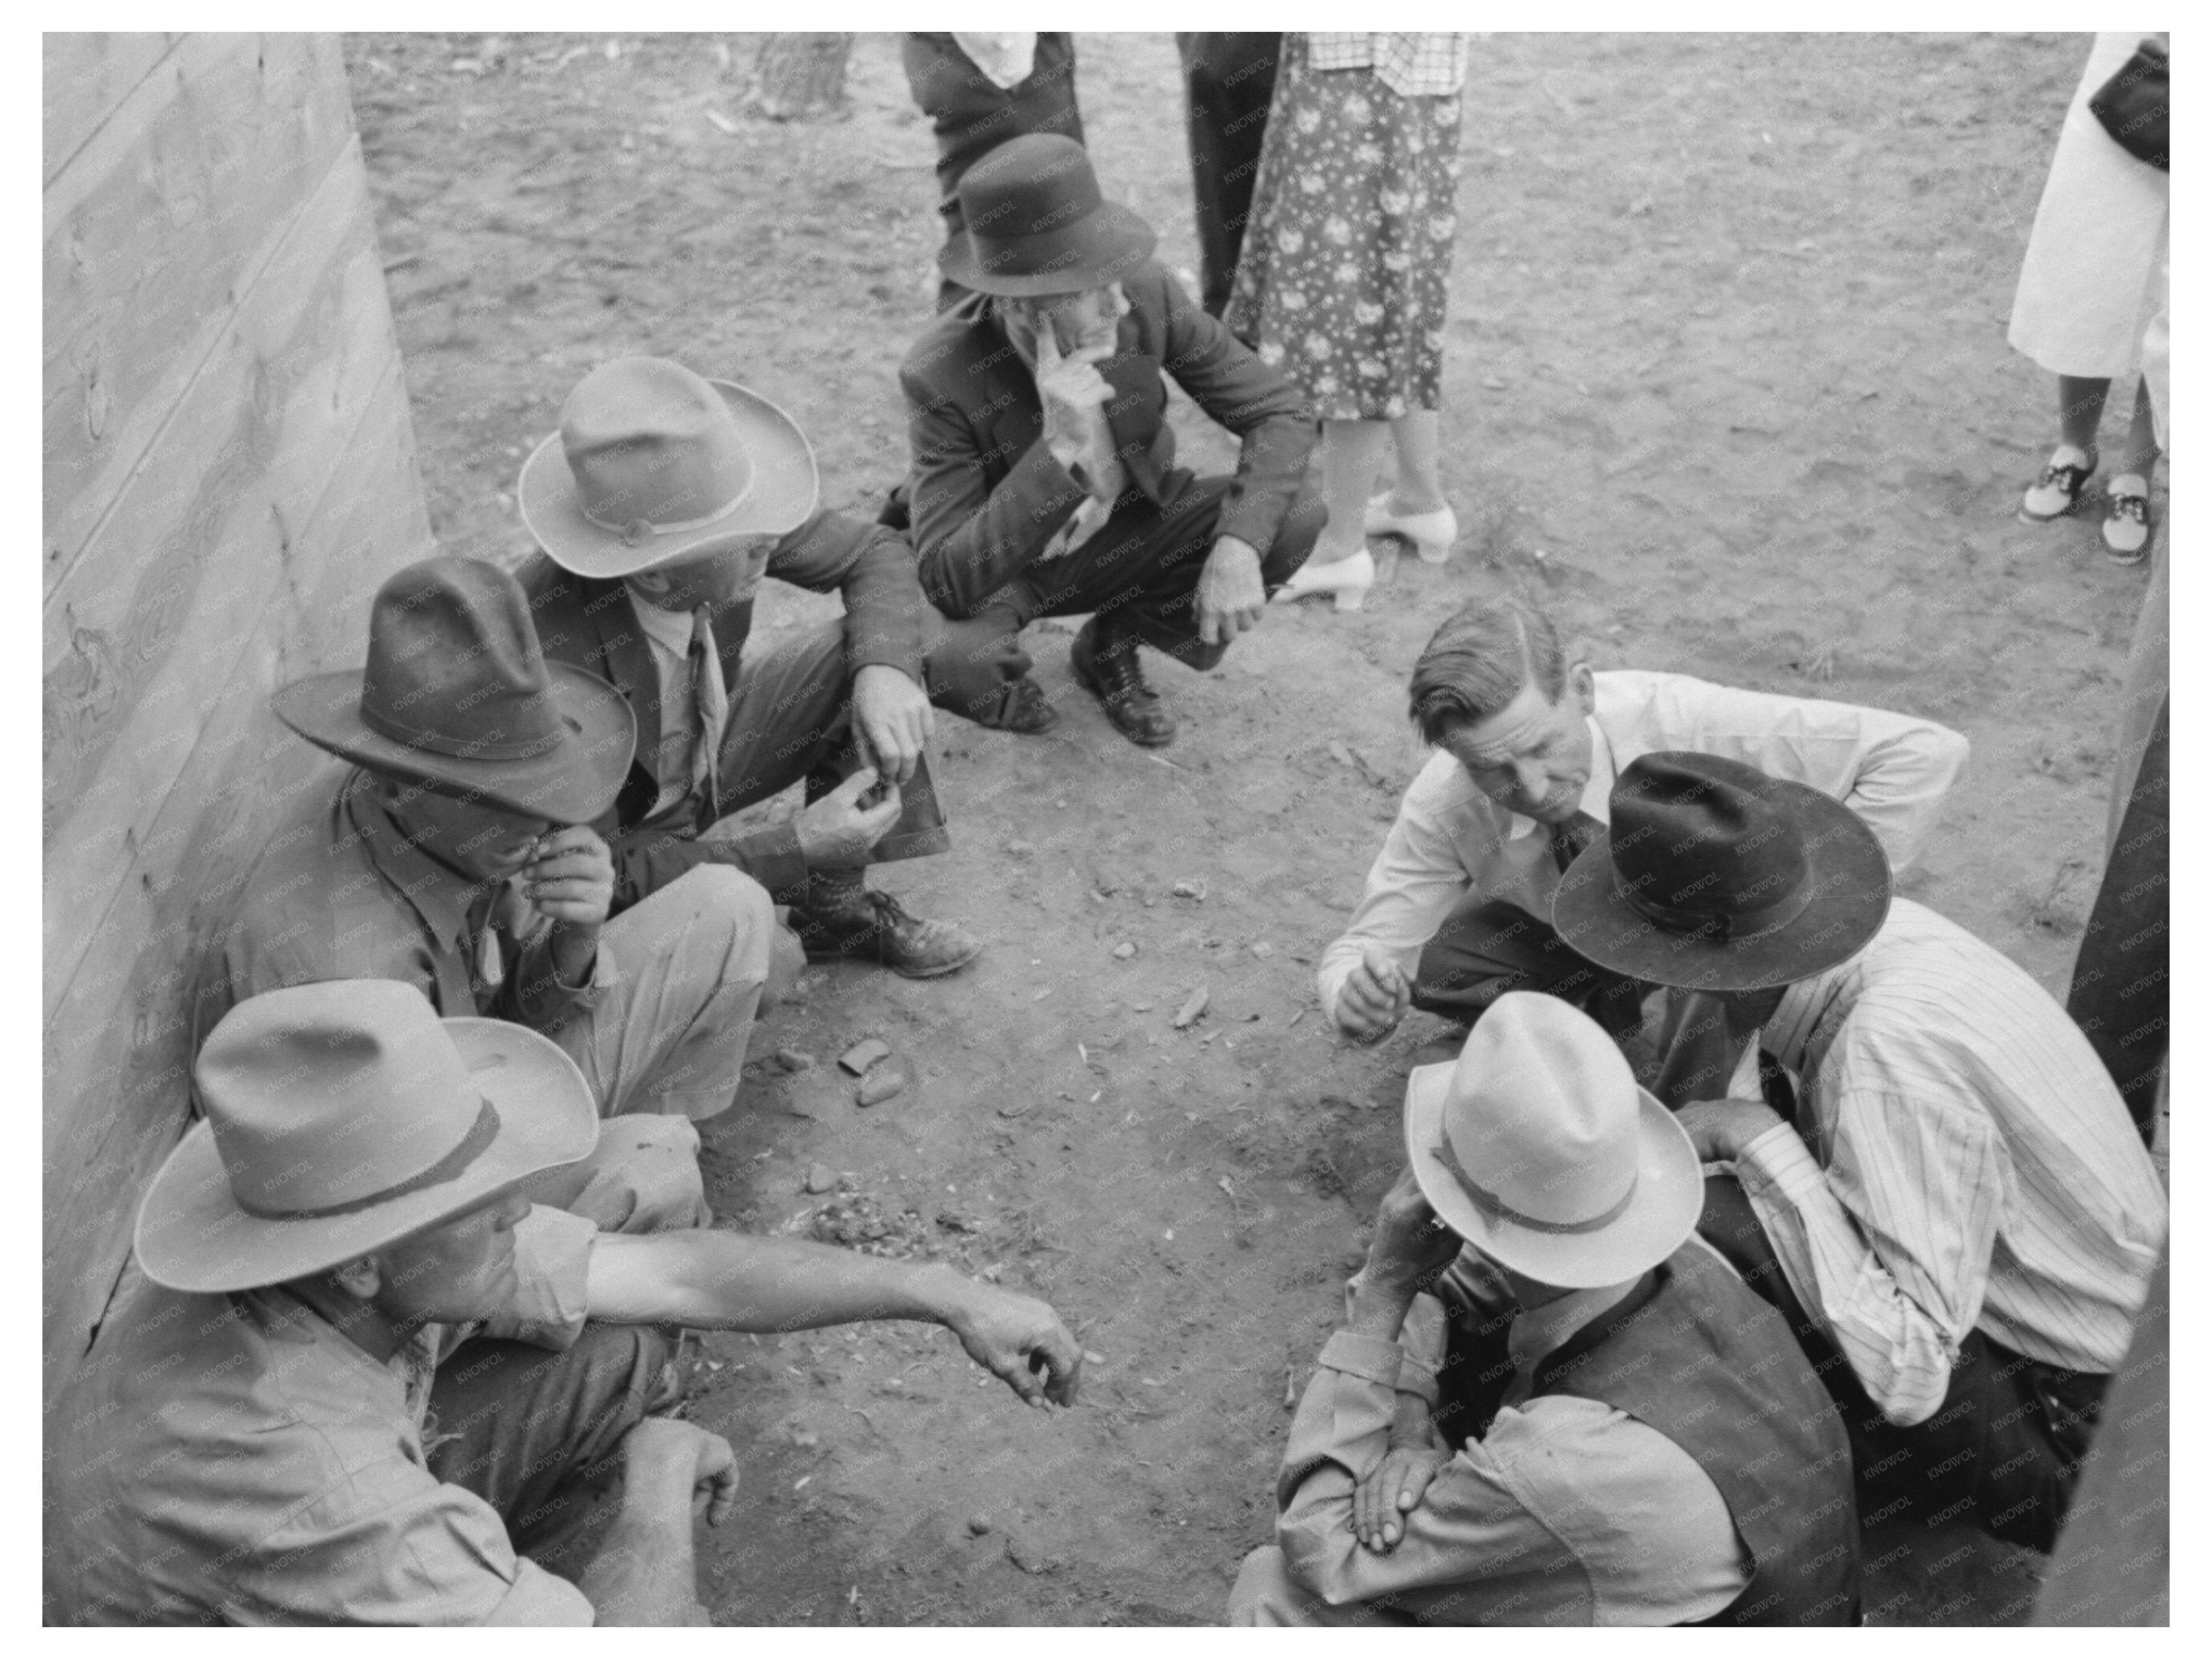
x=1571 y=840
x=484 y=966
x=710 y=706
x=1615 y=1002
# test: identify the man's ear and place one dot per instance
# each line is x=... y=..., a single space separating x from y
x=361 y=1279
x=1582 y=687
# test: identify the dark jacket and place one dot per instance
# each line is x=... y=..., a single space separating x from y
x=587 y=623
x=986 y=495
x=973 y=116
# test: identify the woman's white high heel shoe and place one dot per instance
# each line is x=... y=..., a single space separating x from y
x=1347 y=579
x=1432 y=534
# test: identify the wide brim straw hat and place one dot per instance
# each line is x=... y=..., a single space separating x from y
x=298 y=1168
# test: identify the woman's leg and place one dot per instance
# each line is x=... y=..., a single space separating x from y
x=2142 y=453
x=1351 y=456
x=2081 y=407
x=1418 y=488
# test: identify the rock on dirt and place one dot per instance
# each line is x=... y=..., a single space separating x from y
x=863 y=1054
x=820 y=1178
x=793 y=1059
x=1187 y=1016
x=880 y=1086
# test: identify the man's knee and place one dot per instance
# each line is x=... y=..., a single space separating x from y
x=731 y=912
x=648 y=1179
x=1265 y=1594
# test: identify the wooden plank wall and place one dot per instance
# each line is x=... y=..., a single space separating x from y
x=229 y=472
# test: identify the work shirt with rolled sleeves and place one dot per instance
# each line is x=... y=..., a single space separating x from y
x=1451 y=842
x=238 y=1460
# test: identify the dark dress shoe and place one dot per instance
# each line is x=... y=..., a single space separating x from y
x=1105 y=665
x=1023 y=708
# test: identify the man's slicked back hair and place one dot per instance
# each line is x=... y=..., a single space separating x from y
x=1478 y=661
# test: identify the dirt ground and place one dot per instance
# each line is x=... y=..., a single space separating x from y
x=1728 y=389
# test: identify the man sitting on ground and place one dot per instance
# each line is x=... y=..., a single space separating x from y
x=361 y=1373
x=1958 y=1204
x=1592 y=1421
x=455 y=854
x=1044 y=480
x=659 y=508
x=1458 y=902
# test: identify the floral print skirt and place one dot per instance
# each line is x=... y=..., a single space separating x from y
x=1341 y=283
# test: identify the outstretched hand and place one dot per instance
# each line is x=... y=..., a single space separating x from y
x=1021 y=1341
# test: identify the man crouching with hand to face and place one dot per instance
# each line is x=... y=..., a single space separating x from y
x=1044 y=480
x=1550 y=1403
x=364 y=1381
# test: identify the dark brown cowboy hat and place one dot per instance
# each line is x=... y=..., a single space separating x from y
x=1036 y=223
x=1714 y=876
x=458 y=697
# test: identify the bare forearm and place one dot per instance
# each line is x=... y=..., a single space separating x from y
x=646 y=1573
x=738 y=1282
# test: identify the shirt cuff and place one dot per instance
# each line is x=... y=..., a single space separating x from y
x=1373 y=1359
x=1779 y=1165
x=540 y=996
x=1415 y=1378
x=552 y=1280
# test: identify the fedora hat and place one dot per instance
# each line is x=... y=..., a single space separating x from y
x=344 y=1115
x=1537 y=1148
x=653 y=465
x=458 y=696
x=1714 y=876
x=1037 y=224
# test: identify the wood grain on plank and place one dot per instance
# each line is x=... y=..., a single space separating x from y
x=150 y=246
x=117 y=1039
x=261 y=436
x=146 y=746
x=84 y=79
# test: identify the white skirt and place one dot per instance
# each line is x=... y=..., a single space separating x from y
x=2087 y=285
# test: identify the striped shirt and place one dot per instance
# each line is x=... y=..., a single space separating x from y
x=1966 y=1163
x=1412 y=65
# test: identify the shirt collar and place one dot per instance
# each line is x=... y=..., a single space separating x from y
x=439 y=896
x=669 y=630
x=1597 y=794
x=1542 y=1331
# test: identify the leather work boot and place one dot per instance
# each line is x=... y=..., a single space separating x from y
x=1023 y=709
x=873 y=927
x=1105 y=665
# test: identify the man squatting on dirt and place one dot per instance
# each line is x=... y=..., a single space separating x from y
x=1915 y=1158
x=1044 y=480
x=1458 y=904
x=357 y=1370
x=1550 y=1403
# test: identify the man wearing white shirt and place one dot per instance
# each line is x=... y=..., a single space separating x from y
x=1457 y=905
x=1951 y=1208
